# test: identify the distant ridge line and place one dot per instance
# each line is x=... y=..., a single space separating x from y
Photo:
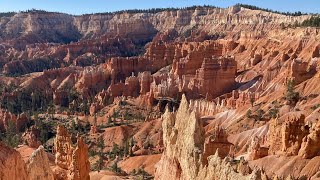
x=157 y=10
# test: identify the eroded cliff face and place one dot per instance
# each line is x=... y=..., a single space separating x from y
x=196 y=71
x=8 y=117
x=32 y=137
x=42 y=36
x=293 y=136
x=310 y=144
x=12 y=165
x=139 y=24
x=181 y=129
x=38 y=166
x=184 y=150
x=39 y=25
x=286 y=134
x=72 y=162
x=219 y=168
x=190 y=69
x=288 y=137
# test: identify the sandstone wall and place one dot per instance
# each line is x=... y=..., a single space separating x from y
x=72 y=162
x=12 y=165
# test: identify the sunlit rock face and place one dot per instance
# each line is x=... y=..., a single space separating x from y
x=38 y=166
x=310 y=143
x=184 y=149
x=286 y=134
x=72 y=162
x=181 y=129
x=12 y=165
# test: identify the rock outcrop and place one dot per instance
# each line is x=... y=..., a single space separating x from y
x=217 y=141
x=215 y=77
x=38 y=166
x=181 y=129
x=80 y=167
x=286 y=134
x=197 y=71
x=219 y=168
x=293 y=137
x=72 y=162
x=31 y=137
x=7 y=117
x=255 y=150
x=184 y=148
x=310 y=146
x=12 y=165
x=301 y=71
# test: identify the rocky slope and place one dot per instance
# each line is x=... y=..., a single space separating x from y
x=69 y=27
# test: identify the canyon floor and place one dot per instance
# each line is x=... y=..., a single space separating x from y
x=193 y=93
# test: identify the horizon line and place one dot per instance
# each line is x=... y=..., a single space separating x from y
x=160 y=8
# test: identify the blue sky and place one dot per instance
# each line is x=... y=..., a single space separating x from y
x=92 y=6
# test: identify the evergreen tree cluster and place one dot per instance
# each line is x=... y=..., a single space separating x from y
x=39 y=11
x=26 y=102
x=35 y=65
x=126 y=150
x=269 y=10
x=152 y=10
x=157 y=10
x=100 y=146
x=43 y=127
x=32 y=11
x=142 y=173
x=7 y=14
x=315 y=107
x=35 y=101
x=314 y=21
x=11 y=137
x=291 y=95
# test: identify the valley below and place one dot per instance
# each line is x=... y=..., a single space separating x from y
x=192 y=93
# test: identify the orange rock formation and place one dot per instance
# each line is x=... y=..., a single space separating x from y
x=72 y=162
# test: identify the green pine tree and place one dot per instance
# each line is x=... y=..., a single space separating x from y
x=12 y=138
x=100 y=146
